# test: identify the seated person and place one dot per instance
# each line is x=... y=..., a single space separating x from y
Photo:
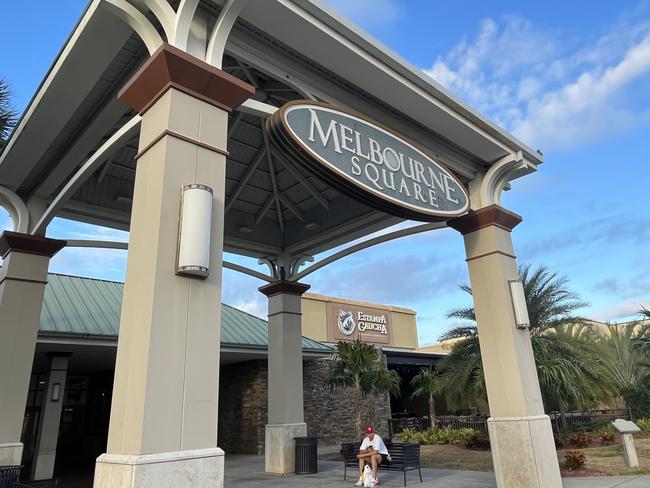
x=373 y=452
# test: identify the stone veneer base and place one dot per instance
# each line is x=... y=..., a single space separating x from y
x=523 y=452
x=11 y=453
x=200 y=468
x=280 y=448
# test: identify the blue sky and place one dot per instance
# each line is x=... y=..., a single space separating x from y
x=570 y=78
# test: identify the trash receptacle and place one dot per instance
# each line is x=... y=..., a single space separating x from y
x=306 y=455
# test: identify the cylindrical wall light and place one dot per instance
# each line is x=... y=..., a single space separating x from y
x=519 y=304
x=194 y=231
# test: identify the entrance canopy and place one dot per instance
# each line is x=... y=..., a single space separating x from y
x=73 y=152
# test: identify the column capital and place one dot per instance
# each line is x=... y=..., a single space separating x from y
x=289 y=287
x=29 y=244
x=492 y=215
x=169 y=67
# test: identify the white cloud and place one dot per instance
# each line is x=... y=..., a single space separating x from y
x=545 y=92
x=368 y=12
x=254 y=305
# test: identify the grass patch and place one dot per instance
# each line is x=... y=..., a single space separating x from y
x=606 y=459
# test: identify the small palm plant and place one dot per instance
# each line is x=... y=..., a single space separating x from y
x=360 y=366
x=426 y=384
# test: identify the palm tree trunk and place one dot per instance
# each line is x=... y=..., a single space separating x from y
x=432 y=410
x=358 y=405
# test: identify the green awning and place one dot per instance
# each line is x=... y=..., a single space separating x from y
x=88 y=306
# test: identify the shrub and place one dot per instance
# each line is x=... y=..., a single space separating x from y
x=479 y=442
x=637 y=397
x=580 y=440
x=438 y=435
x=409 y=435
x=644 y=425
x=559 y=443
x=607 y=438
x=574 y=459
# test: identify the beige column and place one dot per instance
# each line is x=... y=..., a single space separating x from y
x=23 y=277
x=285 y=405
x=48 y=435
x=163 y=427
x=521 y=437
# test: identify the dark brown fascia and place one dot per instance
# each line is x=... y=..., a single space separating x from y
x=485 y=217
x=290 y=287
x=29 y=244
x=169 y=67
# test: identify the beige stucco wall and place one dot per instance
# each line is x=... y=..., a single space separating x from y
x=314 y=319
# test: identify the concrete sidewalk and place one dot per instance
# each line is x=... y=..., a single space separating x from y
x=248 y=472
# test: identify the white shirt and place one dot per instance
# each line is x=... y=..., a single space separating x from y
x=377 y=444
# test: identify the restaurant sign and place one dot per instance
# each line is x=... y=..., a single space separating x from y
x=367 y=161
x=347 y=322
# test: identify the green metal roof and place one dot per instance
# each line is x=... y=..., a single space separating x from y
x=87 y=306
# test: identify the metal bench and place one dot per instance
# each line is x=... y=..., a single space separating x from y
x=404 y=457
x=9 y=475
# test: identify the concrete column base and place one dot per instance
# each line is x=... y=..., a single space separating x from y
x=280 y=448
x=11 y=453
x=200 y=468
x=523 y=452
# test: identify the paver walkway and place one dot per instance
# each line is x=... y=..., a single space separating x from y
x=248 y=472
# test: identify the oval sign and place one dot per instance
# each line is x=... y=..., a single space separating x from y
x=367 y=161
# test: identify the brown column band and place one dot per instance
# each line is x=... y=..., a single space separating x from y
x=169 y=67
x=508 y=255
x=492 y=215
x=23 y=280
x=183 y=138
x=29 y=244
x=291 y=287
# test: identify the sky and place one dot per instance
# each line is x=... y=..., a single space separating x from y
x=569 y=78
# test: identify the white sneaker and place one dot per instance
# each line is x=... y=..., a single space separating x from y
x=373 y=483
x=360 y=482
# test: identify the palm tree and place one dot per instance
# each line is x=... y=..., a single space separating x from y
x=622 y=357
x=426 y=384
x=7 y=114
x=559 y=340
x=360 y=366
x=644 y=312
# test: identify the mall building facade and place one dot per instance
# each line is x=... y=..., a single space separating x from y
x=274 y=129
x=66 y=426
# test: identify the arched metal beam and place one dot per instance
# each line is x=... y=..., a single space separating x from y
x=183 y=22
x=98 y=244
x=125 y=132
x=136 y=19
x=365 y=245
x=165 y=15
x=221 y=31
x=16 y=208
x=248 y=271
x=125 y=246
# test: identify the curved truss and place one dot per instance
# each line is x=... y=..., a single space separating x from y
x=221 y=31
x=136 y=19
x=500 y=174
x=127 y=131
x=16 y=208
x=183 y=22
x=365 y=245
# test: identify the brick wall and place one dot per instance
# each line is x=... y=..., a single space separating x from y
x=242 y=407
x=329 y=415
